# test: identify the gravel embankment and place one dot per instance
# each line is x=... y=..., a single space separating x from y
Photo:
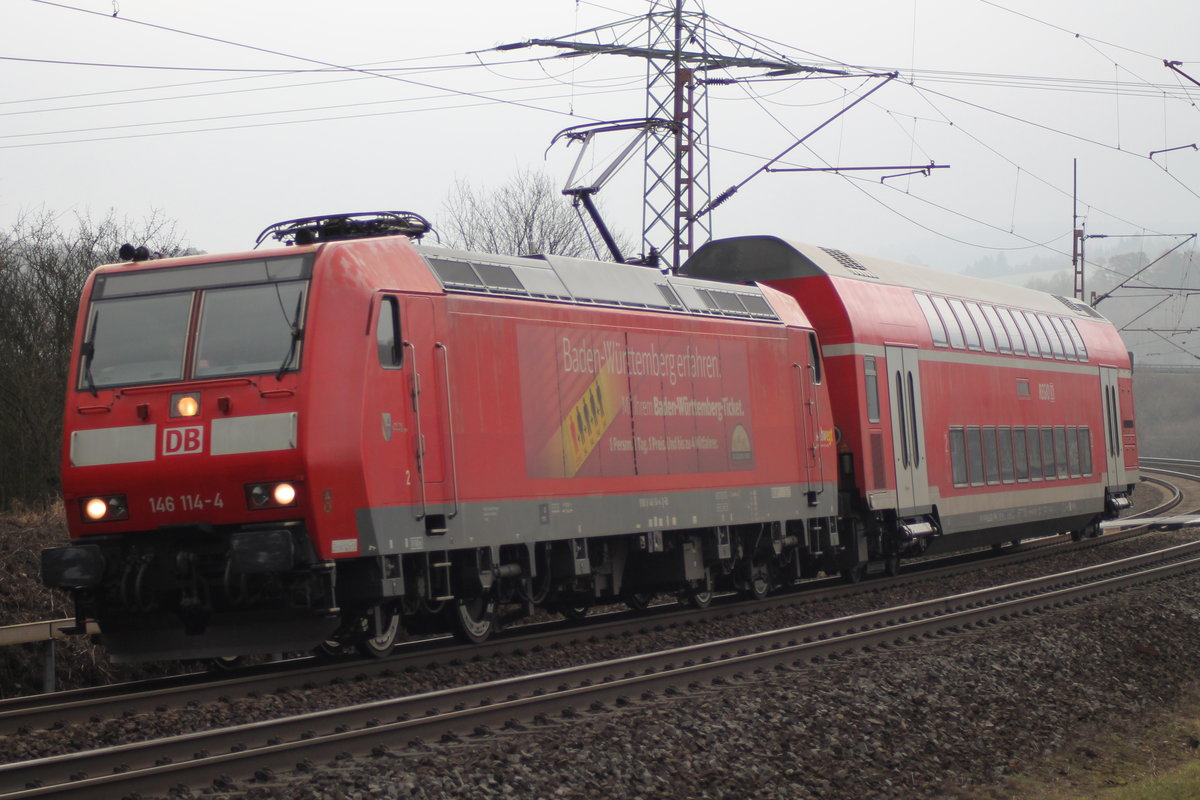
x=940 y=719
x=949 y=719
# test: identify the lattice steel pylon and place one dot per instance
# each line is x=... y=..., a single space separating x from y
x=676 y=179
x=676 y=38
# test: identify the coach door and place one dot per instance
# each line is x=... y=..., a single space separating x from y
x=424 y=365
x=908 y=429
x=1114 y=455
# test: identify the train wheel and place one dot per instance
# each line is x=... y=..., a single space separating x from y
x=381 y=646
x=334 y=648
x=226 y=663
x=699 y=594
x=638 y=601
x=575 y=613
x=472 y=619
x=758 y=583
x=854 y=574
x=1078 y=534
x=891 y=565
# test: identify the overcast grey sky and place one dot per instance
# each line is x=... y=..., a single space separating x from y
x=244 y=133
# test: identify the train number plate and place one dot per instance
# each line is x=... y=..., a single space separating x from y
x=185 y=502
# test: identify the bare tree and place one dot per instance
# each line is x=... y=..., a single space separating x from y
x=525 y=216
x=43 y=264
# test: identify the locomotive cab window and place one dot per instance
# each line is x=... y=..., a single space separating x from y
x=250 y=320
x=387 y=334
x=135 y=340
x=250 y=329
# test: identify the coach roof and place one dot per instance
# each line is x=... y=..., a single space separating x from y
x=769 y=258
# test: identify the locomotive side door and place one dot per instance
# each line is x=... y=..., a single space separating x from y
x=1114 y=456
x=388 y=464
x=908 y=429
x=423 y=366
x=807 y=379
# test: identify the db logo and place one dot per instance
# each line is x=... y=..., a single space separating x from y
x=178 y=441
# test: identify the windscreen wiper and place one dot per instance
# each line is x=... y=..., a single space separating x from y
x=297 y=335
x=88 y=350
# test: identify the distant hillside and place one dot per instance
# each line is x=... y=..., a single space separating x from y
x=1168 y=412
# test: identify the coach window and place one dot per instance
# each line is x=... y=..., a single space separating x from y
x=1020 y=457
x=1073 y=450
x=387 y=334
x=1031 y=344
x=997 y=328
x=1039 y=335
x=975 y=456
x=1048 y=468
x=1073 y=332
x=990 y=468
x=1062 y=467
x=968 y=327
x=1004 y=441
x=1055 y=343
x=1085 y=450
x=1010 y=327
x=872 y=388
x=958 y=456
x=1035 y=453
x=985 y=331
x=952 y=327
x=1067 y=342
x=936 y=330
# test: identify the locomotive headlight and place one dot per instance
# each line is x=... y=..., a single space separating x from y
x=284 y=494
x=185 y=405
x=95 y=508
x=108 y=508
x=270 y=495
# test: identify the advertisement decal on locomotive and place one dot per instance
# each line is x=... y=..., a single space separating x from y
x=626 y=403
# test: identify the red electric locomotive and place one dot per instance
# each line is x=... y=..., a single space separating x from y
x=265 y=451
x=968 y=412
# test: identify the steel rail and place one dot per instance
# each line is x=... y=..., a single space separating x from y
x=40 y=711
x=372 y=727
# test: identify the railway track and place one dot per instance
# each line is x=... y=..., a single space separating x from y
x=63 y=708
x=1183 y=467
x=29 y=713
x=280 y=745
